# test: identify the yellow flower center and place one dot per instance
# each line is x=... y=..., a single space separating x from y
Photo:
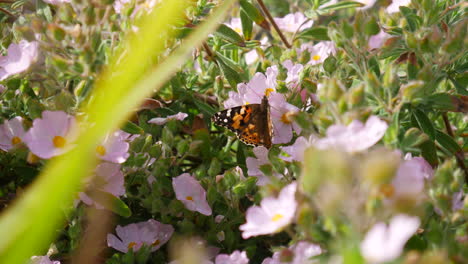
x=238 y=30
x=387 y=190
x=15 y=140
x=268 y=91
x=131 y=245
x=59 y=142
x=287 y=117
x=276 y=217
x=316 y=57
x=156 y=243
x=189 y=198
x=101 y=150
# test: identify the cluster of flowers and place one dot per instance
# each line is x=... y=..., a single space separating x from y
x=53 y=134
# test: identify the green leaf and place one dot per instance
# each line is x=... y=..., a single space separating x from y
x=429 y=152
x=342 y=5
x=229 y=35
x=447 y=142
x=411 y=18
x=232 y=64
x=205 y=108
x=132 y=128
x=247 y=25
x=230 y=74
x=424 y=123
x=314 y=33
x=254 y=14
x=111 y=203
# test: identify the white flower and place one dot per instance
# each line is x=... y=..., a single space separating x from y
x=11 y=133
x=189 y=191
x=163 y=120
x=19 y=58
x=385 y=243
x=293 y=22
x=376 y=41
x=133 y=236
x=273 y=214
x=292 y=79
x=57 y=2
x=302 y=251
x=355 y=137
x=318 y=52
x=43 y=260
x=235 y=24
x=367 y=4
x=395 y=5
x=237 y=257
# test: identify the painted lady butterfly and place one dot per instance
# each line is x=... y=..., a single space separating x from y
x=251 y=123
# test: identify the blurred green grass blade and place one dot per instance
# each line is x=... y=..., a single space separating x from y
x=30 y=224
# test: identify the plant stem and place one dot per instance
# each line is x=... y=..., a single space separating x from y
x=272 y=21
x=458 y=155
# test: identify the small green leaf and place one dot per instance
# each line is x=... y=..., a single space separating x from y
x=132 y=128
x=232 y=64
x=447 y=142
x=247 y=25
x=411 y=18
x=314 y=33
x=429 y=153
x=111 y=203
x=254 y=14
x=229 y=35
x=424 y=123
x=342 y=5
x=230 y=74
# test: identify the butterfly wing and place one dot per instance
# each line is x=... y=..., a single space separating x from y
x=251 y=123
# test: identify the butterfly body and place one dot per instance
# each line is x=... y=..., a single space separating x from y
x=251 y=123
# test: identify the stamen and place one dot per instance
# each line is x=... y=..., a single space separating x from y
x=15 y=140
x=276 y=217
x=316 y=57
x=131 y=245
x=101 y=150
x=59 y=142
x=189 y=198
x=268 y=91
x=387 y=190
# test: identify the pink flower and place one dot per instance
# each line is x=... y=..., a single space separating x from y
x=272 y=215
x=235 y=24
x=376 y=41
x=48 y=135
x=424 y=168
x=18 y=59
x=302 y=251
x=282 y=116
x=395 y=5
x=293 y=22
x=114 y=148
x=56 y=2
x=253 y=165
x=108 y=178
x=296 y=150
x=189 y=191
x=237 y=257
x=133 y=236
x=318 y=52
x=384 y=243
x=408 y=184
x=292 y=79
x=355 y=137
x=43 y=260
x=161 y=120
x=253 y=91
x=11 y=133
